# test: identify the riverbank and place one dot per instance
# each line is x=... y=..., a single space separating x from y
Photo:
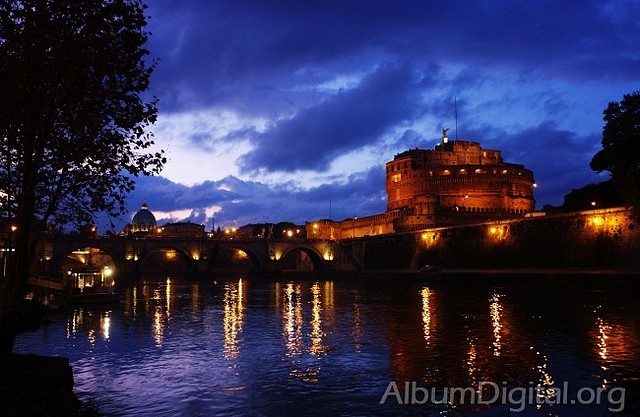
x=478 y=274
x=34 y=385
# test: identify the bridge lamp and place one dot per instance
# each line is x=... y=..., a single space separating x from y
x=107 y=271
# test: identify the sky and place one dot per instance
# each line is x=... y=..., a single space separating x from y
x=288 y=110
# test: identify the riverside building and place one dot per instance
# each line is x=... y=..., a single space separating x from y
x=457 y=182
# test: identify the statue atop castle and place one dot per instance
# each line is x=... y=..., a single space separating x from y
x=445 y=139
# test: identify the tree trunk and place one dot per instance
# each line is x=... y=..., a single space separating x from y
x=15 y=283
x=13 y=291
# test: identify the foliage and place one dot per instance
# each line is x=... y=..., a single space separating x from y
x=73 y=116
x=72 y=120
x=593 y=196
x=620 y=153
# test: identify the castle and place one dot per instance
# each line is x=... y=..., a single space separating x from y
x=457 y=182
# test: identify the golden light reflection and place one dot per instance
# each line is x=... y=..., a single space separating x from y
x=329 y=308
x=146 y=298
x=316 y=321
x=426 y=313
x=292 y=318
x=158 y=326
x=233 y=319
x=614 y=344
x=72 y=323
x=162 y=309
x=277 y=295
x=495 y=311
x=94 y=323
x=603 y=330
x=545 y=380
x=471 y=362
x=134 y=301
x=357 y=322
x=167 y=294
x=105 y=324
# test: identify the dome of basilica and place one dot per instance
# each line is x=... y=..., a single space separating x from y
x=143 y=220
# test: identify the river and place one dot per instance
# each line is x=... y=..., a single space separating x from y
x=356 y=346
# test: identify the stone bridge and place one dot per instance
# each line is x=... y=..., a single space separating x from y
x=129 y=255
x=588 y=239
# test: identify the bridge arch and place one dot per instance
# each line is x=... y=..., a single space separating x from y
x=86 y=258
x=235 y=257
x=164 y=258
x=302 y=257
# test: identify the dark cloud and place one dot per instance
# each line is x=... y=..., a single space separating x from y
x=521 y=73
x=315 y=136
x=246 y=53
x=558 y=158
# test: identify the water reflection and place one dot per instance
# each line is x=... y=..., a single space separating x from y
x=316 y=321
x=233 y=319
x=306 y=312
x=495 y=310
x=162 y=310
x=426 y=313
x=328 y=347
x=92 y=322
x=615 y=344
x=357 y=331
x=292 y=318
x=471 y=361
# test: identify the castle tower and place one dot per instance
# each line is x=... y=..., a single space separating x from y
x=458 y=178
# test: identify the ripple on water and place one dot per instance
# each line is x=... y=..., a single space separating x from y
x=308 y=347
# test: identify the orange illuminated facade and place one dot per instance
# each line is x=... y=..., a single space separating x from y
x=457 y=182
x=457 y=178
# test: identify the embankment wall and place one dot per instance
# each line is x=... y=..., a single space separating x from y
x=587 y=239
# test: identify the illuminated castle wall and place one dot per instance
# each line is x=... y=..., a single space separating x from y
x=457 y=182
x=458 y=177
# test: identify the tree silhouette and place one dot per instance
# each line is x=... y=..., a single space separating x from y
x=73 y=121
x=620 y=153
